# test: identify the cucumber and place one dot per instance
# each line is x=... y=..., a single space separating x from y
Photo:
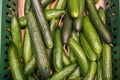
x=87 y=48
x=97 y=22
x=41 y=56
x=42 y=22
x=66 y=59
x=16 y=35
x=99 y=71
x=27 y=47
x=73 y=7
x=80 y=55
x=53 y=13
x=14 y=62
x=91 y=35
x=91 y=72
x=58 y=51
x=95 y=1
x=30 y=65
x=77 y=22
x=66 y=28
x=45 y=2
x=22 y=21
x=75 y=75
x=61 y=4
x=102 y=14
x=64 y=73
x=27 y=6
x=106 y=62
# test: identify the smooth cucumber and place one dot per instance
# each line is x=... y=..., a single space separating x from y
x=80 y=55
x=99 y=71
x=41 y=56
x=64 y=73
x=58 y=51
x=45 y=2
x=97 y=22
x=66 y=59
x=91 y=72
x=87 y=48
x=91 y=35
x=42 y=22
x=106 y=62
x=22 y=21
x=14 y=62
x=16 y=35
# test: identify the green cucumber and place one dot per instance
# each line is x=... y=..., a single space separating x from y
x=27 y=47
x=58 y=51
x=91 y=72
x=75 y=75
x=106 y=62
x=27 y=6
x=73 y=7
x=99 y=71
x=66 y=59
x=97 y=22
x=77 y=22
x=41 y=56
x=102 y=14
x=42 y=22
x=95 y=1
x=64 y=73
x=61 y=4
x=87 y=48
x=45 y=2
x=91 y=35
x=16 y=35
x=14 y=62
x=80 y=55
x=22 y=21
x=66 y=28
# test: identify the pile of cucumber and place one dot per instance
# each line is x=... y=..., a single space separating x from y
x=67 y=42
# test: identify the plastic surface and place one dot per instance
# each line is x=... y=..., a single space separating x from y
x=7 y=7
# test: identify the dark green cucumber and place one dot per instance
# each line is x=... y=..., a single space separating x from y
x=80 y=55
x=102 y=14
x=77 y=22
x=106 y=62
x=66 y=28
x=91 y=72
x=73 y=7
x=45 y=2
x=91 y=35
x=66 y=60
x=53 y=13
x=14 y=62
x=27 y=6
x=97 y=22
x=75 y=75
x=87 y=48
x=99 y=71
x=95 y=1
x=42 y=22
x=27 y=47
x=16 y=35
x=64 y=73
x=58 y=51
x=41 y=56
x=22 y=21
x=30 y=65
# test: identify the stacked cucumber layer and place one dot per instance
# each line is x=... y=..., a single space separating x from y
x=68 y=41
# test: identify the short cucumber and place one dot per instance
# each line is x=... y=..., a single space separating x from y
x=87 y=48
x=58 y=51
x=75 y=75
x=64 y=73
x=106 y=62
x=27 y=47
x=91 y=72
x=73 y=7
x=16 y=35
x=77 y=22
x=97 y=22
x=66 y=60
x=41 y=56
x=80 y=55
x=22 y=21
x=99 y=71
x=66 y=28
x=14 y=62
x=91 y=35
x=102 y=14
x=42 y=22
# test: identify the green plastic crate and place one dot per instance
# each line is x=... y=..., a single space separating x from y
x=7 y=7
